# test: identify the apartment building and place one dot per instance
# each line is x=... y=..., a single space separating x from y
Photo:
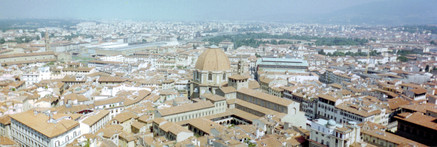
x=329 y=133
x=170 y=130
x=94 y=121
x=332 y=76
x=345 y=109
x=188 y=111
x=44 y=129
x=27 y=58
x=418 y=127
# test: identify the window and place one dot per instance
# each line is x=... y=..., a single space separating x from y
x=224 y=76
x=57 y=143
x=210 y=76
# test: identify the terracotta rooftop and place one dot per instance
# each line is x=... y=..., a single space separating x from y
x=40 y=123
x=266 y=97
x=328 y=97
x=205 y=125
x=91 y=120
x=74 y=96
x=213 y=97
x=138 y=125
x=5 y=120
x=253 y=84
x=419 y=91
x=228 y=89
x=395 y=103
x=419 y=119
x=25 y=54
x=213 y=59
x=186 y=108
x=238 y=77
x=5 y=141
x=390 y=137
x=173 y=128
x=346 y=106
x=125 y=116
x=419 y=107
x=111 y=79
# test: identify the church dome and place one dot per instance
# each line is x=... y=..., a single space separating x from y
x=213 y=59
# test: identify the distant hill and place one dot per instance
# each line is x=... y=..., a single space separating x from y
x=388 y=12
x=384 y=12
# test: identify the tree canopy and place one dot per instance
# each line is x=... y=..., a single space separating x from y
x=255 y=39
x=402 y=59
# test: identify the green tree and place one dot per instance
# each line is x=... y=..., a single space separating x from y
x=284 y=42
x=433 y=42
x=321 y=52
x=273 y=42
x=402 y=59
x=337 y=53
x=2 y=41
x=87 y=143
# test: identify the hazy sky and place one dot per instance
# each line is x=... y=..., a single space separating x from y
x=180 y=9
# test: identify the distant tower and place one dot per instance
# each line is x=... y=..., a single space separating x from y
x=47 y=41
x=368 y=62
x=240 y=67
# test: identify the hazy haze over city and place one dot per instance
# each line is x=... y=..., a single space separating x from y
x=295 y=11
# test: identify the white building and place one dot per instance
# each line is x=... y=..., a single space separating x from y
x=43 y=73
x=44 y=129
x=194 y=110
x=329 y=133
x=94 y=121
x=344 y=109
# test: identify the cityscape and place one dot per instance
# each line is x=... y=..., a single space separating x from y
x=193 y=73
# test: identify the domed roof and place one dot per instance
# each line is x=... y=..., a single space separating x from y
x=213 y=59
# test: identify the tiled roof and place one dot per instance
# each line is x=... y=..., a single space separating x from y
x=39 y=122
x=266 y=97
x=186 y=108
x=91 y=120
x=213 y=59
